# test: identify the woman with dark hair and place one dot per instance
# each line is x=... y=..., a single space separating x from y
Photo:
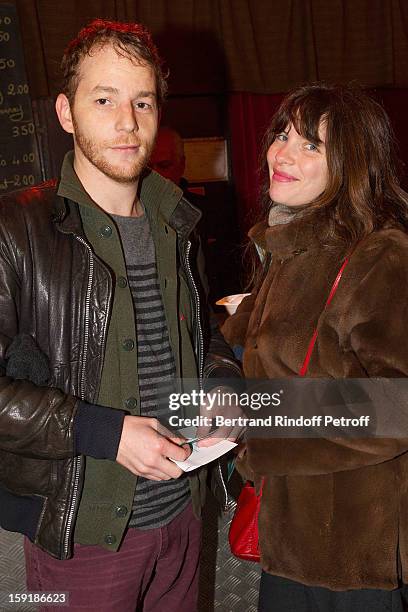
x=333 y=522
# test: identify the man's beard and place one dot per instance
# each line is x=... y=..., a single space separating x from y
x=120 y=174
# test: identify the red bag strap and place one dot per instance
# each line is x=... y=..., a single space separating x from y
x=303 y=369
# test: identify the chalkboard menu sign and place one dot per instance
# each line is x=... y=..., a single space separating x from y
x=19 y=158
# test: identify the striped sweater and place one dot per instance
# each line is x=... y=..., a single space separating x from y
x=156 y=503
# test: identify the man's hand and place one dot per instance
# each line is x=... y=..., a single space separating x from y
x=229 y=411
x=145 y=452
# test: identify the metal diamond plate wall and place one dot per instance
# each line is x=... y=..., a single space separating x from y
x=226 y=583
x=12 y=571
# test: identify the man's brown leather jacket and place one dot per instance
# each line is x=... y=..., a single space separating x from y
x=53 y=290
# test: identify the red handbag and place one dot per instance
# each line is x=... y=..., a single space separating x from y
x=243 y=533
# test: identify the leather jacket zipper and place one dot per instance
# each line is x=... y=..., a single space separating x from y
x=78 y=461
x=224 y=487
x=200 y=340
x=200 y=354
x=77 y=472
x=87 y=309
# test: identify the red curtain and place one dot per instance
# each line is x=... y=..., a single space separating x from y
x=249 y=116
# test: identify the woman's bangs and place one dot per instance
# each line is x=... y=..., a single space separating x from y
x=306 y=118
x=281 y=121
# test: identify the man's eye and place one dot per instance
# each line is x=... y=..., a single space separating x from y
x=143 y=105
x=102 y=101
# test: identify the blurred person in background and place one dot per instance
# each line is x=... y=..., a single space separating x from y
x=168 y=158
x=218 y=231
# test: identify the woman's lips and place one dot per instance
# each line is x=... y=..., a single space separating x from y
x=282 y=177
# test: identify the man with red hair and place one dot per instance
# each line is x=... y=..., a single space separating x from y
x=99 y=293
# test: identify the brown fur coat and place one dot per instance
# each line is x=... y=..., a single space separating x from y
x=334 y=513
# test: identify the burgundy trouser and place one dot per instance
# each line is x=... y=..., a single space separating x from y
x=155 y=570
